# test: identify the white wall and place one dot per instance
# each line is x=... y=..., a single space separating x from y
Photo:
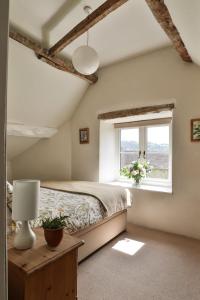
x=9 y=170
x=155 y=78
x=49 y=159
x=108 y=166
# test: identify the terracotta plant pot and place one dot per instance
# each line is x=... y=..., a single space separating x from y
x=53 y=237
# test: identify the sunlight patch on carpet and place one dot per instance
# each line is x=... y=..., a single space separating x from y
x=128 y=246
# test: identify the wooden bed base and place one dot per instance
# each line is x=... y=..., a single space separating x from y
x=97 y=235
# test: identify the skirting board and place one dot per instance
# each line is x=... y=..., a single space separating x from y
x=99 y=234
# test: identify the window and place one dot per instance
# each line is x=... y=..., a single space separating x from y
x=157 y=146
x=152 y=142
x=130 y=146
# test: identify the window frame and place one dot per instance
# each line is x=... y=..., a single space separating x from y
x=143 y=147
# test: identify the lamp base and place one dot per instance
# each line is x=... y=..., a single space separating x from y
x=25 y=237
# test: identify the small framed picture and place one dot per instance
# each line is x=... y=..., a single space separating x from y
x=195 y=130
x=84 y=135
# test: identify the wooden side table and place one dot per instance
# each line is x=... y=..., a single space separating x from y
x=41 y=274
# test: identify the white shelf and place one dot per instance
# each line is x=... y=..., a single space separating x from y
x=152 y=188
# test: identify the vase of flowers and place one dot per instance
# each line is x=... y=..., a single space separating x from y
x=136 y=170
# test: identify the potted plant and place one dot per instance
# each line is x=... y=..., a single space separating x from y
x=53 y=230
x=136 y=170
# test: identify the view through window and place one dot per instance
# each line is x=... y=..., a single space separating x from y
x=150 y=142
x=158 y=151
x=129 y=146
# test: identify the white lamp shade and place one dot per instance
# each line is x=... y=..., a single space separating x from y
x=26 y=195
x=85 y=60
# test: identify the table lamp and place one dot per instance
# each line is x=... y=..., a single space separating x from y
x=25 y=207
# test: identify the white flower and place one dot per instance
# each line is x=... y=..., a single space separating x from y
x=140 y=166
x=135 y=172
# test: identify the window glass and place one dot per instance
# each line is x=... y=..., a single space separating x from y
x=129 y=147
x=158 y=151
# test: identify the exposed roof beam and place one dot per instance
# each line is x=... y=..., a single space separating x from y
x=96 y=16
x=135 y=111
x=30 y=131
x=42 y=54
x=162 y=15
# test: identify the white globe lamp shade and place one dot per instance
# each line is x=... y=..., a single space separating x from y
x=85 y=60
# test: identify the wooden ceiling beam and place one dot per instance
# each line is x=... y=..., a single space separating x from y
x=162 y=15
x=43 y=55
x=135 y=111
x=96 y=16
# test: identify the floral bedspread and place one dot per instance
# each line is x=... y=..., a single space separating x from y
x=81 y=210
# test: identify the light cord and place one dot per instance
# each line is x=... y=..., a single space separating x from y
x=87 y=38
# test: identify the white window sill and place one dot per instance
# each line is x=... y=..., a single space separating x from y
x=146 y=187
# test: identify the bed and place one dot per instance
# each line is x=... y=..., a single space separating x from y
x=94 y=212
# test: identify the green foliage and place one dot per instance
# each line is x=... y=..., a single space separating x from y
x=54 y=223
x=197 y=131
x=137 y=170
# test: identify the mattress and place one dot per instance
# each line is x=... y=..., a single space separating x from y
x=81 y=211
x=83 y=203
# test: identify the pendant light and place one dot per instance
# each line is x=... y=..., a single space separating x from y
x=85 y=59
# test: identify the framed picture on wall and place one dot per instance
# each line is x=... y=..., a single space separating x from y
x=195 y=130
x=84 y=135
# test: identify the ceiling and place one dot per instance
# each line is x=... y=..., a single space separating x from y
x=128 y=31
x=39 y=95
x=186 y=17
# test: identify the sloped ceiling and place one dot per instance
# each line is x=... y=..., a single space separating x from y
x=128 y=31
x=40 y=95
x=186 y=18
x=37 y=93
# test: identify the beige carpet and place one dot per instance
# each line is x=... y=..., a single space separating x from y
x=166 y=267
